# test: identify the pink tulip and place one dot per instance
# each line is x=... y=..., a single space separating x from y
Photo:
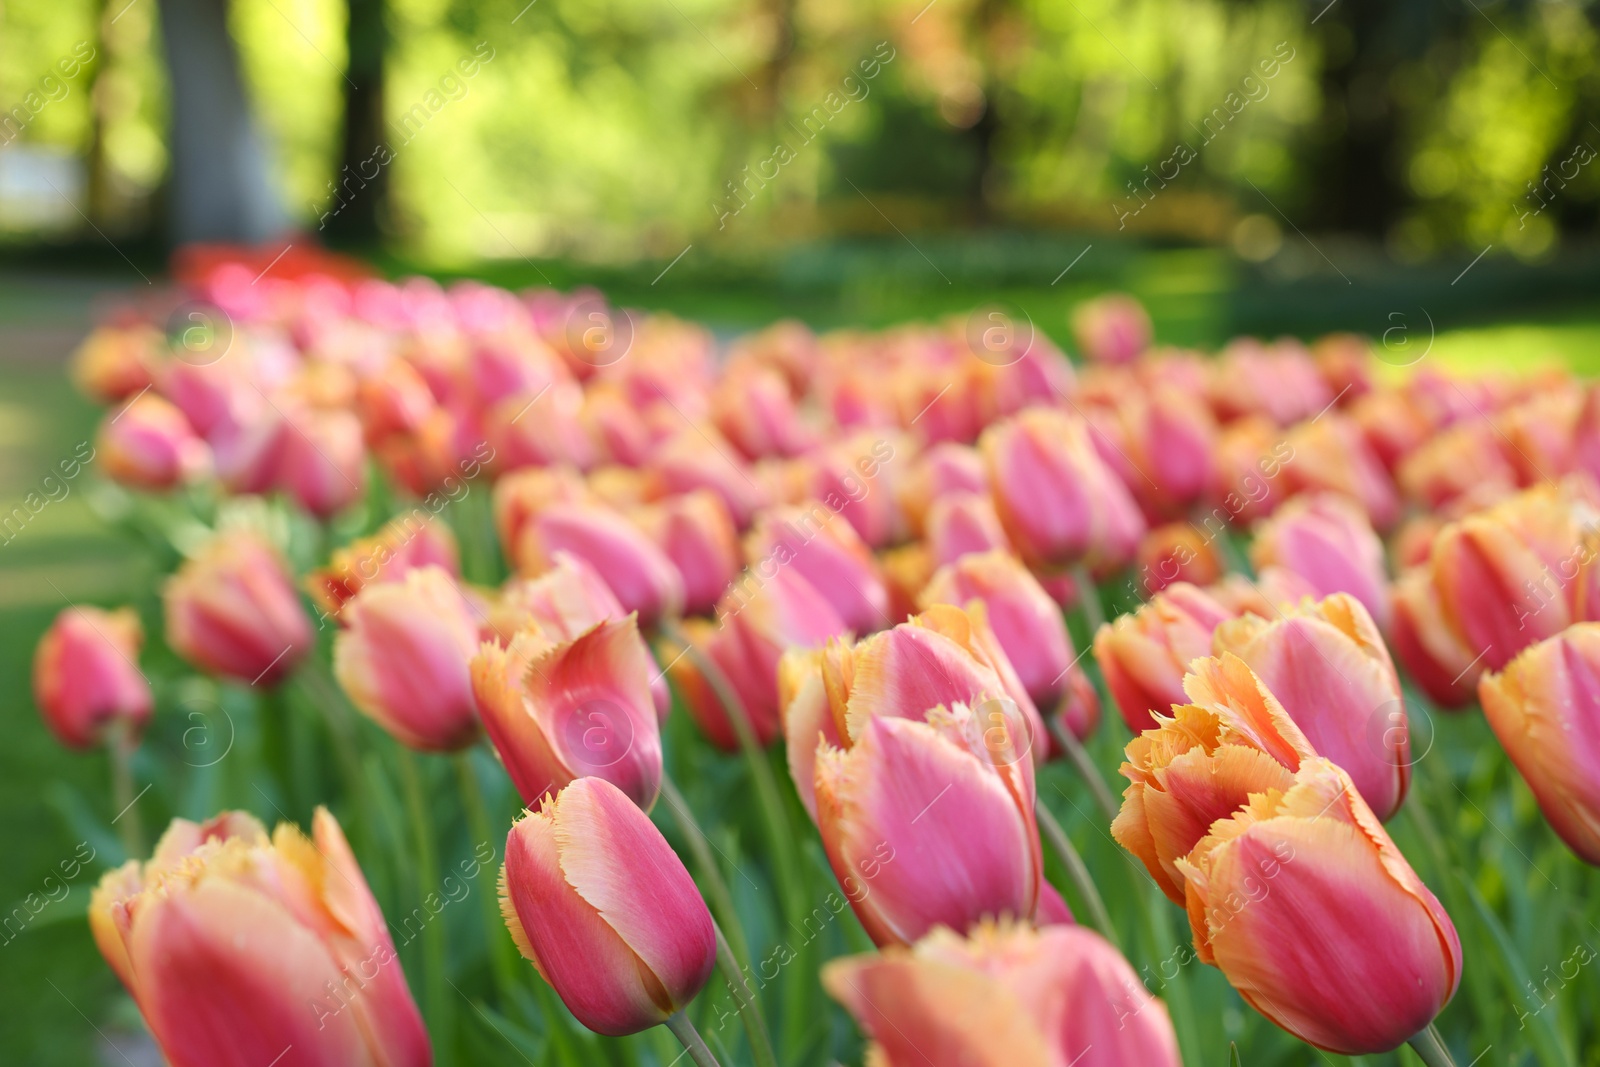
x=857 y=478
x=321 y=460
x=962 y=523
x=754 y=410
x=583 y=707
x=1005 y=997
x=1327 y=664
x=150 y=445
x=640 y=574
x=1327 y=540
x=1058 y=501
x=404 y=544
x=403 y=658
x=1113 y=328
x=1331 y=455
x=596 y=899
x=86 y=675
x=115 y=361
x=541 y=429
x=232 y=610
x=1278 y=380
x=700 y=458
x=1435 y=656
x=937 y=826
x=240 y=949
x=942 y=470
x=1144 y=655
x=1178 y=552
x=825 y=550
x=697 y=534
x=522 y=494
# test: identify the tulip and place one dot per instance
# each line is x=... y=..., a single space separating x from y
x=640 y=574
x=1327 y=540
x=944 y=656
x=1113 y=328
x=604 y=909
x=1327 y=664
x=935 y=820
x=393 y=399
x=1545 y=709
x=150 y=445
x=960 y=523
x=321 y=459
x=1393 y=427
x=1250 y=474
x=1331 y=455
x=1277 y=380
x=541 y=429
x=1059 y=503
x=1178 y=552
x=115 y=362
x=856 y=478
x=942 y=401
x=1144 y=655
x=86 y=675
x=1266 y=890
x=238 y=948
x=943 y=469
x=1460 y=460
x=1272 y=590
x=827 y=552
x=1053 y=909
x=1163 y=444
x=403 y=658
x=1435 y=656
x=404 y=544
x=581 y=708
x=906 y=569
x=521 y=494
x=1202 y=763
x=1541 y=433
x=697 y=534
x=759 y=619
x=1026 y=622
x=1006 y=996
x=1345 y=362
x=1507 y=577
x=700 y=458
x=807 y=719
x=232 y=610
x=754 y=410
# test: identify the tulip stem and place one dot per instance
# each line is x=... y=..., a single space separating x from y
x=1428 y=1045
x=123 y=741
x=755 y=1024
x=1086 y=768
x=501 y=959
x=685 y=1032
x=1089 y=596
x=1099 y=918
x=427 y=872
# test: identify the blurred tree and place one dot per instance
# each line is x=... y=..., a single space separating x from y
x=220 y=187
x=367 y=41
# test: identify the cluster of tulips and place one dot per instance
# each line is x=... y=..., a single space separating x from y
x=862 y=546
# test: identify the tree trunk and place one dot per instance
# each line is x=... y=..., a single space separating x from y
x=361 y=218
x=220 y=189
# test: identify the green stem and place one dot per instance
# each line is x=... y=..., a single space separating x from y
x=1428 y=1045
x=755 y=1024
x=1099 y=918
x=1086 y=767
x=123 y=741
x=685 y=1032
x=321 y=690
x=1089 y=597
x=433 y=946
x=502 y=953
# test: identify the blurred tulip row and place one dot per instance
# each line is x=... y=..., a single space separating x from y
x=872 y=570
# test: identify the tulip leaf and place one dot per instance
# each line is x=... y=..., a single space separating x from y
x=1541 y=1026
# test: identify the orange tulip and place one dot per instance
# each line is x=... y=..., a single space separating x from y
x=240 y=949
x=599 y=903
x=232 y=610
x=1177 y=552
x=1315 y=917
x=1327 y=540
x=403 y=658
x=86 y=674
x=1545 y=709
x=1434 y=655
x=1202 y=764
x=402 y=545
x=1006 y=996
x=1144 y=655
x=1327 y=664
x=1331 y=455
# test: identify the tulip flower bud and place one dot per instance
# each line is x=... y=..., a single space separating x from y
x=943 y=469
x=1393 y=427
x=604 y=909
x=232 y=610
x=1314 y=858
x=1177 y=552
x=856 y=478
x=552 y=432
x=939 y=825
x=1144 y=655
x=1459 y=460
x=1003 y=997
x=699 y=458
x=1273 y=589
x=1327 y=540
x=86 y=674
x=697 y=534
x=1277 y=380
x=1435 y=656
x=1345 y=362
x=1202 y=764
x=960 y=523
x=404 y=544
x=1545 y=709
x=758 y=621
x=1250 y=470
x=150 y=445
x=321 y=459
x=1026 y=622
x=826 y=551
x=640 y=574
x=403 y=658
x=393 y=399
x=1113 y=328
x=1331 y=455
x=1163 y=444
x=1327 y=664
x=581 y=708
x=1058 y=501
x=238 y=947
x=522 y=494
x=115 y=361
x=753 y=408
